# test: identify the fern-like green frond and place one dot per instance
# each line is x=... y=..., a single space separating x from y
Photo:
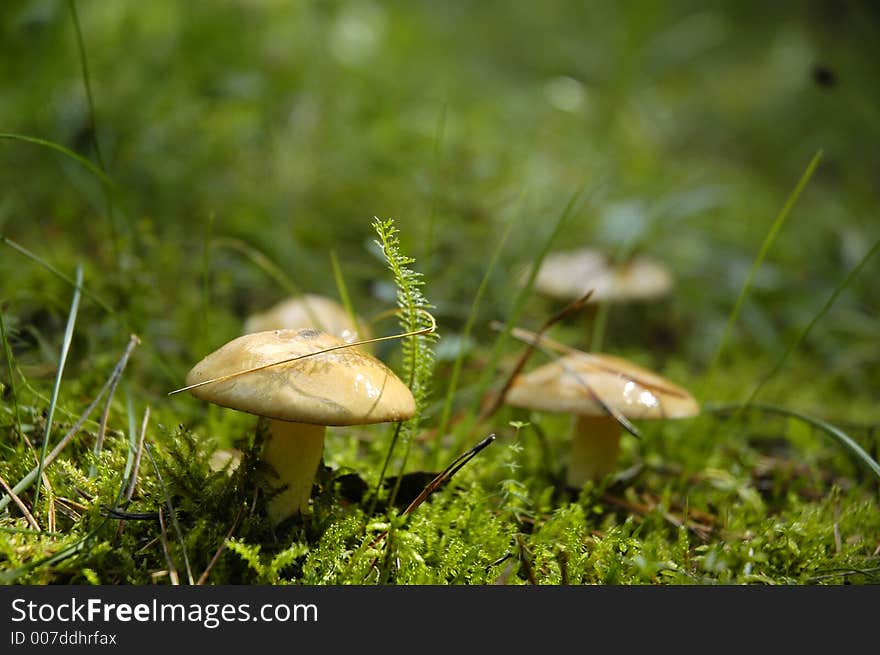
x=414 y=315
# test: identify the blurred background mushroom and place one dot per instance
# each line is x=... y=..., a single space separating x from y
x=225 y=459
x=568 y=275
x=310 y=311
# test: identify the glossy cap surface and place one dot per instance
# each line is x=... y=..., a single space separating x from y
x=341 y=387
x=580 y=383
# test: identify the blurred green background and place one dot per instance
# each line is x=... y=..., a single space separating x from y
x=280 y=129
x=250 y=141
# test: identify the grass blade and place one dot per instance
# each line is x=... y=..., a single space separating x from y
x=762 y=253
x=57 y=273
x=822 y=311
x=67 y=152
x=93 y=125
x=171 y=512
x=262 y=262
x=859 y=454
x=451 y=388
x=342 y=289
x=102 y=427
x=21 y=506
x=81 y=50
x=137 y=451
x=28 y=479
x=518 y=305
x=65 y=348
x=7 y=351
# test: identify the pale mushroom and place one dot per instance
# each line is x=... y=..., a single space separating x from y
x=345 y=386
x=309 y=311
x=569 y=274
x=225 y=459
x=597 y=388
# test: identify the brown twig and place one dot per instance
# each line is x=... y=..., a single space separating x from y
x=18 y=501
x=204 y=576
x=102 y=425
x=596 y=362
x=171 y=513
x=838 y=545
x=439 y=480
x=172 y=572
x=498 y=400
x=701 y=531
x=525 y=560
x=135 y=467
x=51 y=496
x=137 y=457
x=444 y=476
x=562 y=558
x=537 y=341
x=50 y=499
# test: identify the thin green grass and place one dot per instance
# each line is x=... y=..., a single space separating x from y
x=87 y=84
x=206 y=277
x=486 y=379
x=132 y=446
x=59 y=274
x=46 y=461
x=748 y=510
x=62 y=360
x=770 y=237
x=437 y=156
x=93 y=129
x=102 y=427
x=7 y=351
x=455 y=373
x=342 y=290
x=263 y=262
x=77 y=546
x=171 y=512
x=804 y=331
x=67 y=152
x=120 y=317
x=849 y=445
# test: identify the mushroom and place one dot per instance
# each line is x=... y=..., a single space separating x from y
x=572 y=273
x=598 y=388
x=225 y=459
x=309 y=310
x=271 y=374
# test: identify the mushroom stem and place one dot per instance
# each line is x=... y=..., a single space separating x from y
x=293 y=451
x=595 y=447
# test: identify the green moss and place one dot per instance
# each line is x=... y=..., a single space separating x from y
x=237 y=176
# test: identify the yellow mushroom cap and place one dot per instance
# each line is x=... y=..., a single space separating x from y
x=308 y=310
x=576 y=383
x=570 y=274
x=341 y=387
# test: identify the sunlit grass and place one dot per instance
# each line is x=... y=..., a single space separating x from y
x=251 y=168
